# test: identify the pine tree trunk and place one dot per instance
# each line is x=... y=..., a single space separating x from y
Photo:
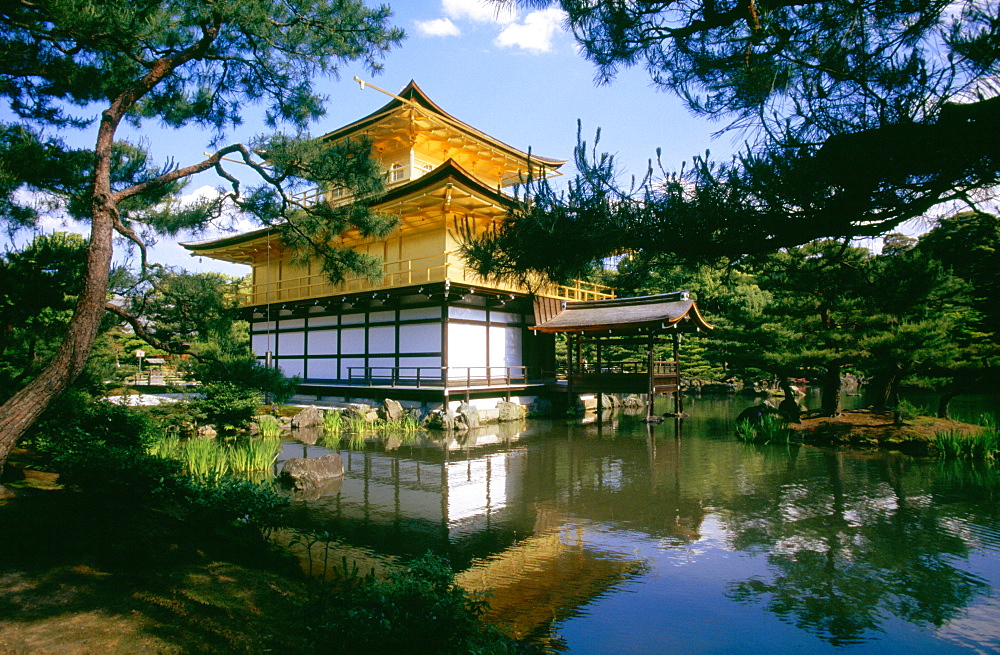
x=886 y=389
x=944 y=402
x=830 y=391
x=25 y=407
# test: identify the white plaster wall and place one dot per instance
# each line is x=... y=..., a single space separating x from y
x=323 y=368
x=466 y=347
x=344 y=363
x=382 y=339
x=322 y=321
x=416 y=313
x=420 y=338
x=467 y=313
x=260 y=342
x=291 y=323
x=382 y=317
x=322 y=342
x=431 y=362
x=266 y=326
x=384 y=362
x=351 y=319
x=504 y=317
x=291 y=367
x=291 y=343
x=352 y=341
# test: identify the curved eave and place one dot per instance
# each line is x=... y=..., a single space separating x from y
x=412 y=93
x=627 y=316
x=449 y=187
x=238 y=248
x=448 y=171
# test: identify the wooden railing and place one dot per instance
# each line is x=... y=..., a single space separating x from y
x=625 y=377
x=408 y=272
x=437 y=376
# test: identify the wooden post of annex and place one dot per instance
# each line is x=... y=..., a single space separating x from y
x=652 y=376
x=600 y=399
x=678 y=401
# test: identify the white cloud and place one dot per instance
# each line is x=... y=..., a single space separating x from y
x=535 y=33
x=483 y=11
x=205 y=191
x=438 y=27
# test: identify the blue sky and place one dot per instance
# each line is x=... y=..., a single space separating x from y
x=515 y=76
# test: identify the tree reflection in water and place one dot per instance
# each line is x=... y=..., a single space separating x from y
x=846 y=557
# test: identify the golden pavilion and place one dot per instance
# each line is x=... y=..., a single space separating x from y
x=430 y=326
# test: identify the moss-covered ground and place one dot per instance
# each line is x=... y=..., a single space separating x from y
x=864 y=428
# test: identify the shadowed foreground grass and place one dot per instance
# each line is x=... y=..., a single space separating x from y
x=79 y=576
x=124 y=572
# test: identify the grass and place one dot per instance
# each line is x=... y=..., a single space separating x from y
x=357 y=424
x=210 y=459
x=983 y=444
x=254 y=455
x=268 y=427
x=205 y=459
x=333 y=422
x=166 y=447
x=403 y=425
x=770 y=429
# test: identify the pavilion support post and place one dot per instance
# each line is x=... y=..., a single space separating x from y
x=600 y=399
x=678 y=401
x=569 y=367
x=652 y=378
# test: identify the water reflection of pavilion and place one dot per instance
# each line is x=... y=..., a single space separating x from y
x=510 y=512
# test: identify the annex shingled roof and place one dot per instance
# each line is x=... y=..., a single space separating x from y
x=649 y=313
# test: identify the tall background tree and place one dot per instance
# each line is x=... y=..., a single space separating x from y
x=857 y=117
x=92 y=64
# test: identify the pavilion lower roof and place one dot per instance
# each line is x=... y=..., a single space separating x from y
x=666 y=311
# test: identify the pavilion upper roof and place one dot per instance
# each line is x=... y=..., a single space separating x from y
x=449 y=188
x=412 y=120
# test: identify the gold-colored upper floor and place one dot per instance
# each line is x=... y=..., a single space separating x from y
x=296 y=284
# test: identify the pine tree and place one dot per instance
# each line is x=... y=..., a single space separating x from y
x=74 y=64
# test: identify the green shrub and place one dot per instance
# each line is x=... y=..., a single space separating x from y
x=243 y=369
x=906 y=411
x=119 y=472
x=80 y=423
x=418 y=609
x=227 y=406
x=230 y=500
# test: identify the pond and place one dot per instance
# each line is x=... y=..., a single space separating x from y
x=621 y=538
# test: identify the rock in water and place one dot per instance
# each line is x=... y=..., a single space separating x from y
x=510 y=411
x=392 y=410
x=305 y=474
x=308 y=418
x=469 y=415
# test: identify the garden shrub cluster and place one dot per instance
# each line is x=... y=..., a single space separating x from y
x=416 y=609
